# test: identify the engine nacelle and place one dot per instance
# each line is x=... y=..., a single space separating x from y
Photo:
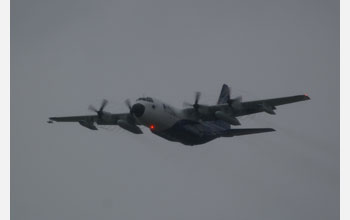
x=231 y=120
x=89 y=125
x=130 y=127
x=268 y=109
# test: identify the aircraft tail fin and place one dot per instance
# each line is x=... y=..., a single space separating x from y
x=224 y=94
x=223 y=98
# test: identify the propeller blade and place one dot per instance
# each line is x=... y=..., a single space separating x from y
x=100 y=111
x=92 y=108
x=197 y=97
x=103 y=105
x=128 y=103
x=130 y=116
x=186 y=104
x=195 y=106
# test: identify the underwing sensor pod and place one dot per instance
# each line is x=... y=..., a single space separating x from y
x=192 y=125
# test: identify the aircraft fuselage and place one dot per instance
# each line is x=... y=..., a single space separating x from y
x=173 y=124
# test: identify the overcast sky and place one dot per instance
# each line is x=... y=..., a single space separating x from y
x=67 y=54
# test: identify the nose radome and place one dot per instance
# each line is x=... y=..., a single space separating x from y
x=138 y=110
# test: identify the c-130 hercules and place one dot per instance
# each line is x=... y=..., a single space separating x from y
x=193 y=125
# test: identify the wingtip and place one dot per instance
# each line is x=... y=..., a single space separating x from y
x=307 y=97
x=52 y=119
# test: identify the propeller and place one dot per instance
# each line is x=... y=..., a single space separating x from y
x=196 y=100
x=195 y=105
x=128 y=103
x=131 y=118
x=100 y=110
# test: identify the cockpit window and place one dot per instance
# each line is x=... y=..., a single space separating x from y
x=147 y=99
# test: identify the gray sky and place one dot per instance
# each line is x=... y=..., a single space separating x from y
x=67 y=54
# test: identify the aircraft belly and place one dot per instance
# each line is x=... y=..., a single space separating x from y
x=189 y=133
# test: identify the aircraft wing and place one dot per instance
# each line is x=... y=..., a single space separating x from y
x=278 y=101
x=109 y=120
x=252 y=107
x=89 y=120
x=268 y=105
x=74 y=118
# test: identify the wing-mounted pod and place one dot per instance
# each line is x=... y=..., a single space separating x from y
x=231 y=120
x=129 y=127
x=88 y=124
x=268 y=108
x=129 y=123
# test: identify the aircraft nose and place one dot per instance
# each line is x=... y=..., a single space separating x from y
x=138 y=110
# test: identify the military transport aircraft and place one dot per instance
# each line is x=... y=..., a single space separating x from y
x=195 y=124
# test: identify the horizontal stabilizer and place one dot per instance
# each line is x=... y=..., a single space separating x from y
x=245 y=131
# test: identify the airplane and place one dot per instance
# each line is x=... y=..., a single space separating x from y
x=193 y=125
